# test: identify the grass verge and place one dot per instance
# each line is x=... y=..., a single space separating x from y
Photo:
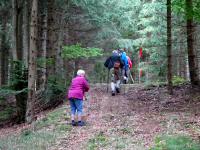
x=42 y=136
x=175 y=142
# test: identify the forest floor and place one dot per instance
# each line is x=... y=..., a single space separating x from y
x=131 y=120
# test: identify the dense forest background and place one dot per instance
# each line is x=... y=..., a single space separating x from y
x=43 y=43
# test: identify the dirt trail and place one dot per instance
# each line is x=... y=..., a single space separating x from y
x=130 y=120
x=105 y=115
x=133 y=120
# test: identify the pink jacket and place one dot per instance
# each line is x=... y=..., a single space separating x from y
x=78 y=87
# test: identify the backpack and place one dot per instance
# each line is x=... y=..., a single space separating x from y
x=125 y=60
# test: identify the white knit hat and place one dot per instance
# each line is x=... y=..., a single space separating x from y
x=80 y=72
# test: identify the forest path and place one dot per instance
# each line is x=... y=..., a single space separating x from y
x=109 y=120
x=130 y=120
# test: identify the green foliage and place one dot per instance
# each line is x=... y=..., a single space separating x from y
x=76 y=51
x=179 y=7
x=99 y=73
x=6 y=113
x=99 y=141
x=175 y=143
x=7 y=90
x=2 y=99
x=112 y=23
x=19 y=76
x=177 y=80
x=19 y=88
x=56 y=87
x=5 y=4
x=43 y=62
x=152 y=38
x=56 y=84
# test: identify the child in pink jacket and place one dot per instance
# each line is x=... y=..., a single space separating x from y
x=78 y=87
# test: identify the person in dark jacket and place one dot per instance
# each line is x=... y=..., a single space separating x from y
x=109 y=63
x=114 y=63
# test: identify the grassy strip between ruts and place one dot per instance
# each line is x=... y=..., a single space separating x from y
x=175 y=142
x=41 y=136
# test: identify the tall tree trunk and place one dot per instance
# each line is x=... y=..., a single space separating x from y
x=190 y=32
x=169 y=47
x=59 y=59
x=19 y=35
x=17 y=29
x=3 y=49
x=182 y=60
x=0 y=64
x=32 y=62
x=26 y=32
x=51 y=39
x=178 y=63
x=14 y=22
x=19 y=71
x=42 y=53
x=197 y=48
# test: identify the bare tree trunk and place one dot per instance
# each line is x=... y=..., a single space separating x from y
x=5 y=55
x=32 y=63
x=20 y=74
x=44 y=52
x=26 y=32
x=51 y=39
x=197 y=48
x=14 y=22
x=169 y=47
x=4 y=51
x=17 y=29
x=177 y=60
x=42 y=48
x=1 y=70
x=181 y=56
x=19 y=35
x=190 y=43
x=139 y=75
x=59 y=59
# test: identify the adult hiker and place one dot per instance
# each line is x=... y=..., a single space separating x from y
x=125 y=69
x=114 y=65
x=78 y=87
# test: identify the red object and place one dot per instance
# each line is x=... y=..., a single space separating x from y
x=130 y=64
x=140 y=52
x=140 y=72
